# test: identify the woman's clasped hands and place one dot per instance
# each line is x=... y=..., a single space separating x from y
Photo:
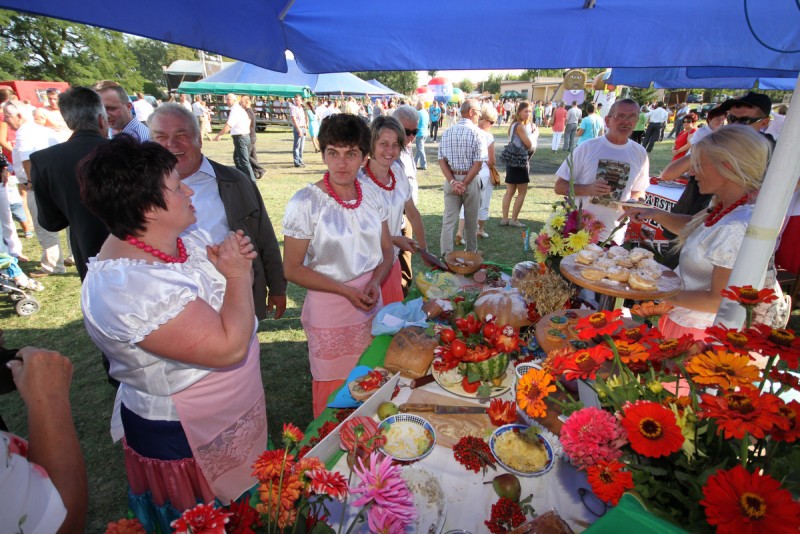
x=233 y=256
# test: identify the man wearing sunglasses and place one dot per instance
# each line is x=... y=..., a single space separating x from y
x=752 y=110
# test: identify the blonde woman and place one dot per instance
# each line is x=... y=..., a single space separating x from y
x=522 y=133
x=486 y=120
x=729 y=164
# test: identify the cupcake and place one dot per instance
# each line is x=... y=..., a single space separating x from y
x=558 y=322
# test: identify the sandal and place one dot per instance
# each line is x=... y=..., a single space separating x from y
x=504 y=222
x=32 y=285
x=459 y=239
x=516 y=224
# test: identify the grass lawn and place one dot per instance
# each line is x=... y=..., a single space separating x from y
x=284 y=361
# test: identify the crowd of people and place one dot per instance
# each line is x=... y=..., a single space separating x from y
x=179 y=260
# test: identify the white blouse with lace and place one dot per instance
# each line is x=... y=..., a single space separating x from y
x=343 y=243
x=395 y=199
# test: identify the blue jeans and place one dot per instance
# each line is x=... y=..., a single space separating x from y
x=241 y=155
x=297 y=147
x=419 y=157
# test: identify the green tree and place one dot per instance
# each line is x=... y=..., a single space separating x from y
x=402 y=81
x=66 y=51
x=643 y=95
x=432 y=73
x=492 y=84
x=153 y=56
x=466 y=85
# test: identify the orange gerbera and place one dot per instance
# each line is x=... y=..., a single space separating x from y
x=630 y=352
x=502 y=412
x=651 y=309
x=599 y=324
x=791 y=412
x=722 y=368
x=584 y=363
x=748 y=295
x=269 y=465
x=652 y=429
x=744 y=411
x=740 y=502
x=609 y=481
x=534 y=386
x=741 y=342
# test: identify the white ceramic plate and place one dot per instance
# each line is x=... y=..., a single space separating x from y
x=521 y=428
x=429 y=499
x=507 y=384
x=409 y=419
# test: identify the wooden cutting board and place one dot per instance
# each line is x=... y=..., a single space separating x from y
x=451 y=427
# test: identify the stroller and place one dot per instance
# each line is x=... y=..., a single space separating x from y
x=26 y=304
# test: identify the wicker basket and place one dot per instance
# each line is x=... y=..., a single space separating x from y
x=463 y=261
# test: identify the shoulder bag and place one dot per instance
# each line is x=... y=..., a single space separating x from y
x=513 y=155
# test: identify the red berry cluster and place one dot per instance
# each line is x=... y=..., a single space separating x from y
x=506 y=515
x=343 y=413
x=473 y=453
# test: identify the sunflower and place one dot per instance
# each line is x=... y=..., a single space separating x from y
x=532 y=389
x=741 y=342
x=599 y=324
x=791 y=412
x=584 y=364
x=744 y=411
x=748 y=295
x=737 y=501
x=722 y=368
x=781 y=342
x=652 y=429
x=609 y=481
x=631 y=352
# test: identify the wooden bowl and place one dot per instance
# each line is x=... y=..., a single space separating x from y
x=463 y=261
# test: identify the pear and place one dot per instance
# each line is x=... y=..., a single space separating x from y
x=387 y=409
x=507 y=485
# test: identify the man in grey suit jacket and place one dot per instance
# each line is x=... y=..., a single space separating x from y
x=225 y=200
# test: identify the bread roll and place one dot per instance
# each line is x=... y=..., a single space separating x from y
x=593 y=273
x=410 y=353
x=360 y=393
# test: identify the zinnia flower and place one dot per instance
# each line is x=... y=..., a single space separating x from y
x=382 y=486
x=609 y=481
x=637 y=334
x=652 y=429
x=739 y=502
x=740 y=342
x=670 y=348
x=748 y=295
x=203 y=518
x=784 y=378
x=781 y=342
x=125 y=526
x=631 y=352
x=532 y=389
x=724 y=369
x=591 y=435
x=746 y=410
x=599 y=324
x=502 y=412
x=269 y=465
x=557 y=359
x=291 y=434
x=583 y=364
x=791 y=412
x=651 y=310
x=331 y=483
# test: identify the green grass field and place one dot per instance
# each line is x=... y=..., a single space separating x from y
x=284 y=361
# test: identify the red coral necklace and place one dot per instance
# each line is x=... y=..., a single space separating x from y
x=163 y=256
x=718 y=213
x=392 y=181
x=345 y=204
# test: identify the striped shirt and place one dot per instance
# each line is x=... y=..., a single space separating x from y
x=137 y=129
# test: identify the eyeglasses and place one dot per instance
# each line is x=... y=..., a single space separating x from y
x=626 y=118
x=592 y=502
x=411 y=132
x=733 y=119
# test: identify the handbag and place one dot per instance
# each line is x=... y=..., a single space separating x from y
x=513 y=155
x=494 y=175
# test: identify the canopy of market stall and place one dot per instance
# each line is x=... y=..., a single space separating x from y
x=677 y=78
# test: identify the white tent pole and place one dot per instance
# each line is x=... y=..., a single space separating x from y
x=768 y=214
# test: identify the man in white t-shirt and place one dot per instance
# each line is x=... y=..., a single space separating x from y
x=239 y=126
x=142 y=107
x=608 y=170
x=197 y=109
x=656 y=120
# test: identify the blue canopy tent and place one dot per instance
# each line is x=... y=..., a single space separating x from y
x=245 y=76
x=674 y=78
x=378 y=84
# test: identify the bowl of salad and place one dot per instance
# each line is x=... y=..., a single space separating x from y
x=409 y=437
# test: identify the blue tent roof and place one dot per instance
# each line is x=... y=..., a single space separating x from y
x=356 y=35
x=376 y=83
x=320 y=84
x=674 y=78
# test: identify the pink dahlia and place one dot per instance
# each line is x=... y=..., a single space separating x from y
x=383 y=521
x=382 y=487
x=591 y=435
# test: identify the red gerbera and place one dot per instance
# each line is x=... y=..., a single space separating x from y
x=748 y=295
x=790 y=412
x=652 y=429
x=741 y=342
x=781 y=342
x=609 y=481
x=331 y=483
x=599 y=324
x=584 y=363
x=746 y=410
x=740 y=502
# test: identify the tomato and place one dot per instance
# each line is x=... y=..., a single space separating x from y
x=458 y=348
x=470 y=387
x=447 y=335
x=489 y=330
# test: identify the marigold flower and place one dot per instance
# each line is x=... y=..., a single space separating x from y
x=651 y=309
x=532 y=389
x=609 y=481
x=739 y=502
x=125 y=526
x=291 y=434
x=599 y=324
x=270 y=464
x=724 y=369
x=331 y=483
x=583 y=364
x=630 y=352
x=591 y=435
x=202 y=518
x=746 y=410
x=502 y=412
x=652 y=429
x=781 y=342
x=735 y=340
x=791 y=412
x=748 y=295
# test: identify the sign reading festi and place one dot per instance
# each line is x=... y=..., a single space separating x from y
x=575 y=80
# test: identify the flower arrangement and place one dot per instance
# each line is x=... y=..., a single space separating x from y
x=568 y=230
x=694 y=427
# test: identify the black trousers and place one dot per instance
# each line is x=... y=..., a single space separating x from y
x=258 y=170
x=651 y=135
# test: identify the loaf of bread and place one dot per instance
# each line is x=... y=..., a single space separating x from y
x=410 y=353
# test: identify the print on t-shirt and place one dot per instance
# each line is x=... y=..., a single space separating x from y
x=615 y=174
